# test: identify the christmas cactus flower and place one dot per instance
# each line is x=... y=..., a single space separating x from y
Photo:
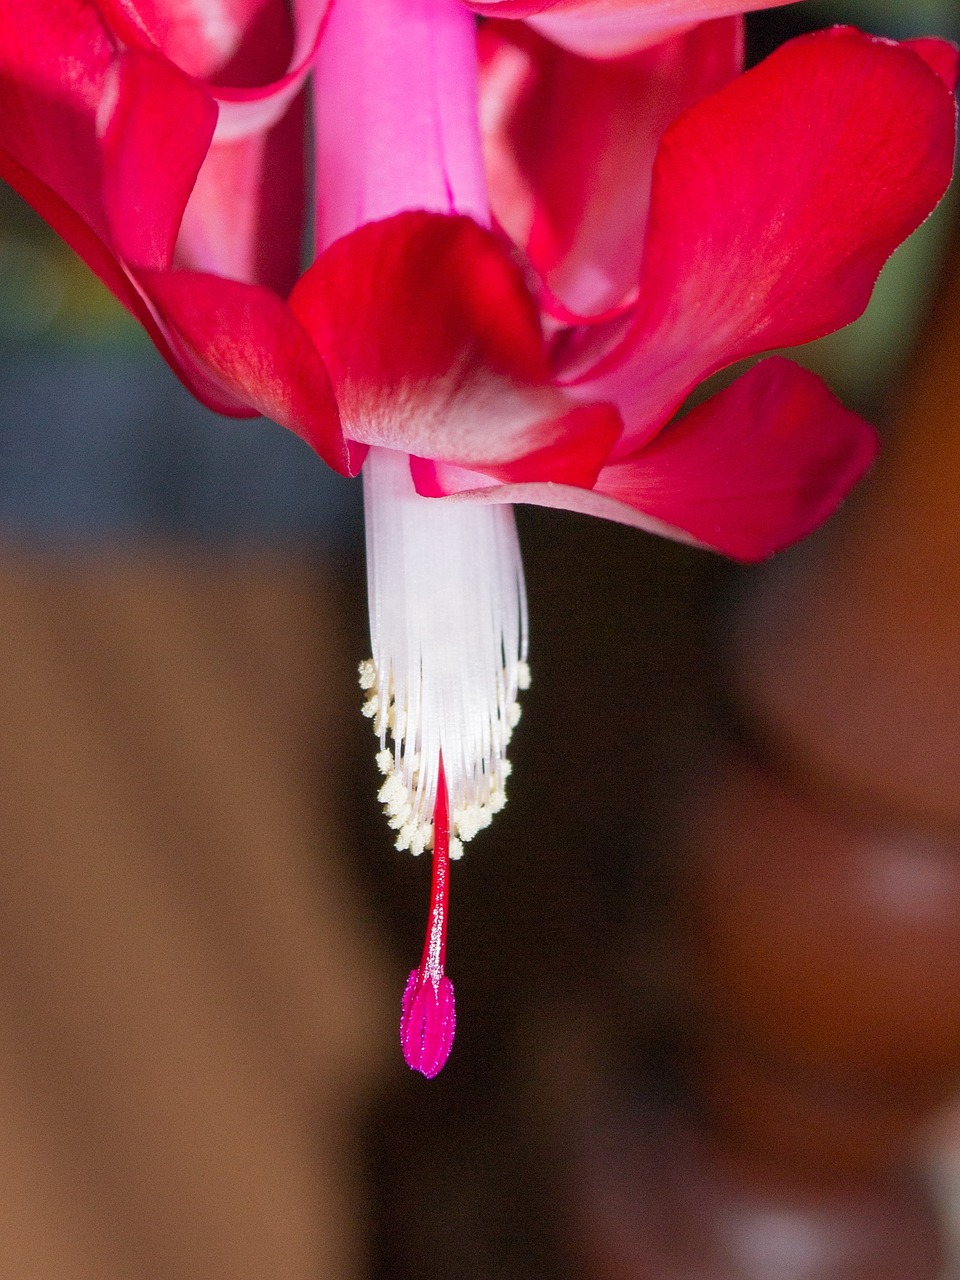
x=745 y=228
x=504 y=314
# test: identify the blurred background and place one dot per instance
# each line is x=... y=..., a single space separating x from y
x=707 y=960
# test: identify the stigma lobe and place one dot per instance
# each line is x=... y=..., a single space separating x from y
x=428 y=1019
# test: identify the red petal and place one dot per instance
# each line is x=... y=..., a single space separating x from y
x=942 y=56
x=154 y=142
x=119 y=138
x=611 y=28
x=245 y=50
x=68 y=224
x=62 y=218
x=754 y=468
x=102 y=144
x=54 y=59
x=747 y=473
x=432 y=341
x=775 y=203
x=233 y=42
x=249 y=340
x=570 y=144
x=585 y=437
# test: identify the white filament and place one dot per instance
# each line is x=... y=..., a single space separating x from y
x=448 y=628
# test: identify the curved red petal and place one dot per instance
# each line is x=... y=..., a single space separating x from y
x=941 y=56
x=570 y=143
x=432 y=341
x=119 y=137
x=754 y=468
x=585 y=437
x=105 y=147
x=234 y=42
x=67 y=223
x=747 y=473
x=247 y=52
x=101 y=260
x=613 y=28
x=153 y=142
x=775 y=203
x=54 y=61
x=251 y=343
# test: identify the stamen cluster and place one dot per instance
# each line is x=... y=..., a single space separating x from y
x=402 y=796
x=448 y=627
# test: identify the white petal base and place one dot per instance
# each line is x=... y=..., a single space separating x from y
x=448 y=629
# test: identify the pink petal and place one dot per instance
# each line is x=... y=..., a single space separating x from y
x=245 y=215
x=118 y=137
x=54 y=60
x=570 y=144
x=433 y=345
x=746 y=473
x=247 y=338
x=154 y=140
x=612 y=28
x=243 y=111
x=775 y=203
x=101 y=260
x=209 y=41
x=584 y=439
x=457 y=484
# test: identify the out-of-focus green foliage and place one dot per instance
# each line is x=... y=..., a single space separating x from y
x=899 y=18
x=46 y=293
x=863 y=361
